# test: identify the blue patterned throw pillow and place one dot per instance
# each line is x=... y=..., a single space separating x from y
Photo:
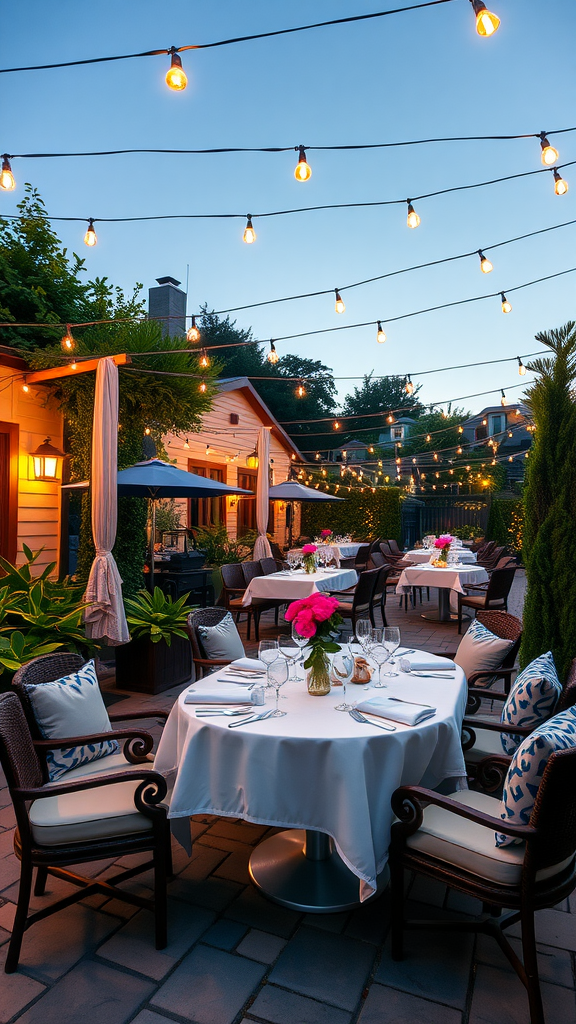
x=531 y=700
x=527 y=768
x=72 y=706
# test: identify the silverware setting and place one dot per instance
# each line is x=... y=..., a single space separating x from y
x=224 y=711
x=415 y=703
x=248 y=721
x=358 y=717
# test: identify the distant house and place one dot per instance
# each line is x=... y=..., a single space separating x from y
x=508 y=426
x=396 y=432
x=351 y=451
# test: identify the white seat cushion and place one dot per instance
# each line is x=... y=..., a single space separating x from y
x=90 y=814
x=470 y=846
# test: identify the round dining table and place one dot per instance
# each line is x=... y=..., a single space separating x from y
x=452 y=579
x=422 y=555
x=318 y=774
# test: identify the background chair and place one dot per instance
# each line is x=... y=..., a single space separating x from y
x=258 y=604
x=495 y=596
x=507 y=627
x=204 y=617
x=357 y=604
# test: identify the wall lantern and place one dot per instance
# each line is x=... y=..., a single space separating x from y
x=45 y=461
x=252 y=460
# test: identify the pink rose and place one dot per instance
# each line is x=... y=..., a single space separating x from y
x=305 y=625
x=326 y=533
x=309 y=549
x=324 y=607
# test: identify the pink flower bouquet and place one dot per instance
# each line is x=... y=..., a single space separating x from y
x=309 y=549
x=325 y=534
x=316 y=618
x=443 y=543
x=309 y=555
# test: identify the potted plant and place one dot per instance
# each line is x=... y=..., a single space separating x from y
x=159 y=655
x=220 y=550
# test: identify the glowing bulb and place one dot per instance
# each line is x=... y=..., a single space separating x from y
x=147 y=431
x=303 y=170
x=272 y=356
x=25 y=389
x=413 y=219
x=186 y=443
x=340 y=307
x=380 y=336
x=7 y=181
x=503 y=400
x=390 y=418
x=560 y=184
x=459 y=451
x=486 y=22
x=90 y=238
x=204 y=361
x=175 y=76
x=193 y=334
x=336 y=425
x=460 y=429
x=203 y=387
x=428 y=437
x=506 y=306
x=485 y=265
x=521 y=368
x=67 y=343
x=249 y=235
x=300 y=391
x=73 y=365
x=409 y=387
x=549 y=155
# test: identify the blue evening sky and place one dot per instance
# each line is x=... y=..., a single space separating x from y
x=414 y=75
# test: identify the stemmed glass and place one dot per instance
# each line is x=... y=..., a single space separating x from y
x=277 y=676
x=363 y=631
x=289 y=649
x=300 y=640
x=343 y=668
x=268 y=653
x=391 y=641
x=379 y=654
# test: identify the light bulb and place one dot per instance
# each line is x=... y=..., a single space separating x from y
x=147 y=431
x=413 y=219
x=485 y=265
x=73 y=365
x=506 y=306
x=300 y=391
x=340 y=307
x=409 y=387
x=67 y=342
x=204 y=360
x=380 y=335
x=175 y=76
x=560 y=184
x=193 y=334
x=7 y=181
x=186 y=443
x=25 y=389
x=303 y=170
x=521 y=367
x=503 y=400
x=249 y=235
x=90 y=238
x=486 y=22
x=272 y=356
x=202 y=387
x=428 y=437
x=510 y=458
x=549 y=154
x=459 y=451
x=336 y=425
x=460 y=429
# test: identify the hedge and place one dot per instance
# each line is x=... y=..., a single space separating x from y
x=361 y=514
x=506 y=522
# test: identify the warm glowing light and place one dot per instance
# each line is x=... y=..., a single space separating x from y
x=300 y=391
x=45 y=461
x=25 y=389
x=272 y=356
x=428 y=437
x=522 y=372
x=204 y=360
x=336 y=425
x=485 y=265
x=506 y=306
x=147 y=431
x=7 y=181
x=413 y=219
x=90 y=238
x=340 y=307
x=186 y=443
x=193 y=333
x=303 y=170
x=435 y=457
x=67 y=342
x=486 y=22
x=73 y=365
x=175 y=76
x=409 y=387
x=549 y=154
x=252 y=460
x=380 y=335
x=203 y=387
x=249 y=235
x=560 y=184
x=390 y=418
x=459 y=451
x=460 y=429
x=503 y=400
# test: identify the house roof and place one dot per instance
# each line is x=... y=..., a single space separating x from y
x=249 y=392
x=495 y=410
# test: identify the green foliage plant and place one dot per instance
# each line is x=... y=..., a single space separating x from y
x=365 y=515
x=156 y=616
x=219 y=548
x=505 y=522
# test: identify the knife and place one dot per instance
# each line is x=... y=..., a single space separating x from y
x=247 y=721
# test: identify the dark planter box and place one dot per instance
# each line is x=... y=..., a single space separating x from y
x=150 y=668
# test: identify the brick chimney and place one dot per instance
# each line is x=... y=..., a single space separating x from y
x=168 y=301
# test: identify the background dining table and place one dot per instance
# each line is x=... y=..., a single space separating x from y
x=318 y=773
x=418 y=555
x=453 y=578
x=293 y=585
x=344 y=549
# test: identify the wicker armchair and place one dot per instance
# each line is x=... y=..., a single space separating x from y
x=507 y=627
x=204 y=617
x=451 y=840
x=495 y=596
x=77 y=820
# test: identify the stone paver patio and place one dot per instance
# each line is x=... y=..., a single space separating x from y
x=234 y=957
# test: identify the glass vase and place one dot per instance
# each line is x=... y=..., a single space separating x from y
x=318 y=677
x=310 y=563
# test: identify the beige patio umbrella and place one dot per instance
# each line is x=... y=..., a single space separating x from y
x=262 y=547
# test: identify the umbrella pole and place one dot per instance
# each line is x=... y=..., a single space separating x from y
x=152 y=538
x=291 y=525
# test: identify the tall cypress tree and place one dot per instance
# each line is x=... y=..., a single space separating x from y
x=550 y=505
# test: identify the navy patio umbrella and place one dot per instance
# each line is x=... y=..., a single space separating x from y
x=291 y=491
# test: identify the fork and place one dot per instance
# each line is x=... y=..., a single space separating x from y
x=358 y=717
x=249 y=721
x=224 y=711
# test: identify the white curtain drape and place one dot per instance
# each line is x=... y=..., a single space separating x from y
x=262 y=548
x=105 y=618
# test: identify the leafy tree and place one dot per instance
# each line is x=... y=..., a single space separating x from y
x=549 y=541
x=379 y=396
x=443 y=431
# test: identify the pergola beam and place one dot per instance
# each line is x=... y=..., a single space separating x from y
x=72 y=369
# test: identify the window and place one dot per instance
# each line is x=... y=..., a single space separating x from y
x=207 y=511
x=496 y=424
x=397 y=433
x=246 y=520
x=481 y=432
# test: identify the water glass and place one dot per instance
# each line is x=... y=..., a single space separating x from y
x=268 y=652
x=343 y=670
x=391 y=641
x=363 y=631
x=277 y=676
x=380 y=655
x=289 y=649
x=300 y=640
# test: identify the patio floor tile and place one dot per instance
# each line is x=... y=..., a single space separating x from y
x=252 y=909
x=500 y=998
x=16 y=991
x=261 y=946
x=281 y=1007
x=225 y=934
x=553 y=928
x=332 y=968
x=554 y=965
x=212 y=893
x=387 y=1006
x=209 y=987
x=91 y=991
x=51 y=947
x=133 y=945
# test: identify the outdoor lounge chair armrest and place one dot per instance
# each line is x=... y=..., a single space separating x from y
x=153 y=713
x=491 y=726
x=211 y=661
x=93 y=782
x=474 y=586
x=498 y=673
x=138 y=744
x=408 y=803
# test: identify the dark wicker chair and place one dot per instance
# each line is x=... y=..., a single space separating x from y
x=490 y=559
x=379 y=593
x=204 y=617
x=357 y=603
x=507 y=627
x=544 y=874
x=361 y=557
x=494 y=597
x=259 y=605
x=21 y=758
x=269 y=565
x=277 y=552
x=376 y=560
x=232 y=593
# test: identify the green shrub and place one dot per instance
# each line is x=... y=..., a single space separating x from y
x=219 y=548
x=156 y=616
x=362 y=514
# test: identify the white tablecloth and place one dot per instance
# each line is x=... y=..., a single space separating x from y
x=455 y=577
x=339 y=551
x=291 y=586
x=316 y=768
x=420 y=555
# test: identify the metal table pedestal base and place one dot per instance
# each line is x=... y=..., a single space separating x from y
x=444 y=614
x=301 y=870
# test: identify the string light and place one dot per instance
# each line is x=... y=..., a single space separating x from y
x=340 y=307
x=460 y=429
x=272 y=356
x=485 y=265
x=193 y=333
x=249 y=235
x=390 y=418
x=506 y=306
x=521 y=367
x=549 y=154
x=459 y=450
x=486 y=22
x=413 y=220
x=68 y=343
x=90 y=238
x=300 y=391
x=560 y=183
x=7 y=181
x=409 y=387
x=204 y=360
x=380 y=335
x=176 y=76
x=73 y=364
x=336 y=425
x=303 y=170
x=147 y=431
x=186 y=443
x=503 y=400
x=25 y=389
x=428 y=437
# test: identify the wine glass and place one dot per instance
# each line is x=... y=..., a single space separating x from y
x=300 y=640
x=363 y=630
x=277 y=676
x=379 y=654
x=391 y=640
x=290 y=650
x=343 y=668
x=268 y=652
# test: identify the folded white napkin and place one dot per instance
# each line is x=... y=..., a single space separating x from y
x=397 y=709
x=225 y=694
x=423 y=662
x=249 y=663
